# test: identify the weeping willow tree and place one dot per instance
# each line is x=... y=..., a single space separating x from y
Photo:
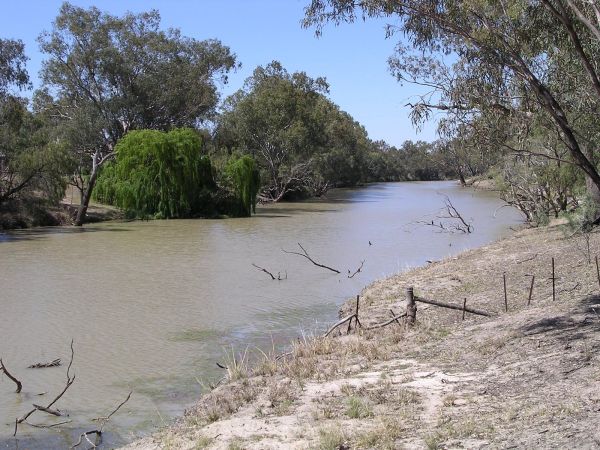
x=246 y=180
x=158 y=174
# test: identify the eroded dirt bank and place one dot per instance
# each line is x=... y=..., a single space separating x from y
x=526 y=378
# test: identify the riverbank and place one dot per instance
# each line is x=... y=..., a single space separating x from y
x=528 y=377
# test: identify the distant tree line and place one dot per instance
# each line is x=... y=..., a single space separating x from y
x=129 y=114
x=518 y=82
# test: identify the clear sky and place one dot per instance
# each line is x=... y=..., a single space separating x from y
x=353 y=57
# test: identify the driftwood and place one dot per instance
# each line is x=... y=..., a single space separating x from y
x=459 y=224
x=347 y=319
x=262 y=269
x=8 y=374
x=98 y=432
x=41 y=425
x=357 y=270
x=337 y=324
x=70 y=381
x=384 y=324
x=85 y=435
x=456 y=307
x=305 y=254
x=393 y=315
x=54 y=412
x=53 y=363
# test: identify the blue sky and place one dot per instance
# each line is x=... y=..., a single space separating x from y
x=352 y=57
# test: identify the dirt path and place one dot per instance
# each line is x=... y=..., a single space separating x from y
x=527 y=378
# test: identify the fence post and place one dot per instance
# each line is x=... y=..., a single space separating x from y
x=411 y=306
x=553 y=282
x=530 y=290
x=505 y=295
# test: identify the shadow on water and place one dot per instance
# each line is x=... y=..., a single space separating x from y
x=39 y=233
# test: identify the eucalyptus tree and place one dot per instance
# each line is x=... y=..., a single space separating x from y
x=105 y=75
x=497 y=59
x=29 y=162
x=278 y=118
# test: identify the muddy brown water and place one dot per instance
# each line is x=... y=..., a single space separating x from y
x=152 y=306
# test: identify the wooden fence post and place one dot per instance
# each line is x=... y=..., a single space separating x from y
x=505 y=296
x=464 y=308
x=553 y=282
x=597 y=271
x=411 y=306
x=530 y=290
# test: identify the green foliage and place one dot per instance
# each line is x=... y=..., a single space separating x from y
x=30 y=161
x=513 y=77
x=246 y=180
x=159 y=174
x=105 y=75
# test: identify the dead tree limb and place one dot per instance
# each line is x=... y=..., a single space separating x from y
x=393 y=315
x=337 y=324
x=41 y=425
x=70 y=381
x=98 y=432
x=385 y=324
x=265 y=271
x=453 y=213
x=357 y=270
x=8 y=374
x=305 y=254
x=104 y=420
x=54 y=412
x=53 y=363
x=85 y=436
x=456 y=307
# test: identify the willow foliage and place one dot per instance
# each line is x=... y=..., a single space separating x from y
x=246 y=179
x=158 y=174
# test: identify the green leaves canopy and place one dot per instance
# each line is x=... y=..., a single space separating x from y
x=158 y=174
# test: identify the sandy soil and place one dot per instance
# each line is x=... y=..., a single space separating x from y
x=526 y=378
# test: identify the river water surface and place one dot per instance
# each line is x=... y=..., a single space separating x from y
x=152 y=306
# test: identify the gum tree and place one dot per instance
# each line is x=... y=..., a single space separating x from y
x=496 y=59
x=105 y=75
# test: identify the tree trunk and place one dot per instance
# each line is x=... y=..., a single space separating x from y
x=86 y=197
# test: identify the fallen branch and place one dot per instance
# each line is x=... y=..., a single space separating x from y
x=107 y=418
x=41 y=425
x=8 y=374
x=384 y=324
x=357 y=270
x=54 y=363
x=54 y=412
x=305 y=254
x=265 y=271
x=70 y=381
x=454 y=214
x=85 y=435
x=99 y=431
x=456 y=307
x=527 y=259
x=337 y=324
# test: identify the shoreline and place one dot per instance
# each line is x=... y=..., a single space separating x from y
x=444 y=382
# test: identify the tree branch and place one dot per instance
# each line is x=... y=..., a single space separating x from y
x=307 y=256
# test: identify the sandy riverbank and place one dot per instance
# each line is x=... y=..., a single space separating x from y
x=526 y=378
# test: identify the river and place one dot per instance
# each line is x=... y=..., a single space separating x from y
x=152 y=306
